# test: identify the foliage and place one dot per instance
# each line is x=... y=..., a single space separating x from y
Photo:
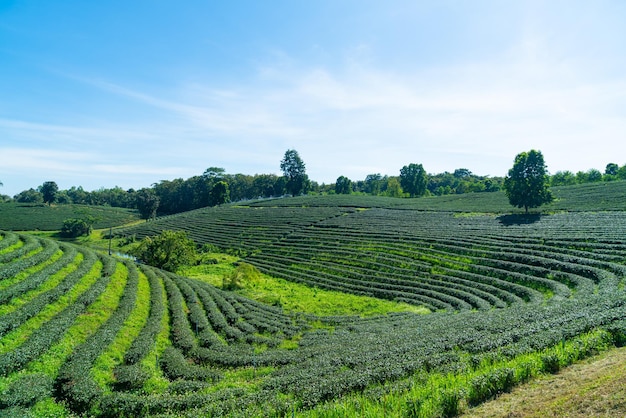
x=343 y=185
x=294 y=171
x=26 y=390
x=75 y=227
x=169 y=250
x=29 y=196
x=393 y=188
x=413 y=179
x=240 y=276
x=49 y=191
x=513 y=296
x=147 y=203
x=526 y=185
x=220 y=194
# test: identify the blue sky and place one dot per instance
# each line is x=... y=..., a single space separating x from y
x=128 y=93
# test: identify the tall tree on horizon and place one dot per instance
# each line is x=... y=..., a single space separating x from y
x=413 y=179
x=294 y=170
x=49 y=191
x=526 y=186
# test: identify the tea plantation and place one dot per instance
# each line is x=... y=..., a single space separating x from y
x=511 y=297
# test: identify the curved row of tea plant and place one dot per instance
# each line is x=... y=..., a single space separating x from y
x=30 y=217
x=233 y=227
x=200 y=350
x=436 y=259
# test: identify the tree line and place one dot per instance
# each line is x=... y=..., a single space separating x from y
x=215 y=187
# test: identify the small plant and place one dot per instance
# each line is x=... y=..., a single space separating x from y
x=237 y=279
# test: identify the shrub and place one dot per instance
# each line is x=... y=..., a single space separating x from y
x=74 y=227
x=130 y=377
x=244 y=273
x=26 y=391
x=168 y=251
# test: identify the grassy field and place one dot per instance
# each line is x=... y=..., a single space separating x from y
x=347 y=306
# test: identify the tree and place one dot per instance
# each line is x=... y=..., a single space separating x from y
x=343 y=185
x=526 y=186
x=393 y=188
x=593 y=175
x=147 y=203
x=294 y=170
x=373 y=183
x=76 y=227
x=168 y=251
x=413 y=179
x=219 y=194
x=29 y=196
x=462 y=173
x=563 y=178
x=610 y=170
x=263 y=185
x=49 y=191
x=214 y=173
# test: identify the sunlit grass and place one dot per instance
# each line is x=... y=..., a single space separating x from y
x=85 y=325
x=114 y=354
x=294 y=297
x=49 y=284
x=157 y=382
x=17 y=336
x=31 y=270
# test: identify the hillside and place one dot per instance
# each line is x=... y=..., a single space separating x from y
x=511 y=297
x=601 y=196
x=30 y=217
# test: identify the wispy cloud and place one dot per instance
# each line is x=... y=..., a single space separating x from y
x=360 y=116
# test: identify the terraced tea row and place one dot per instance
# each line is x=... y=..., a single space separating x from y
x=435 y=259
x=236 y=228
x=111 y=338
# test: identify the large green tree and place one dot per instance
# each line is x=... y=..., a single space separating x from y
x=413 y=179
x=49 y=191
x=343 y=185
x=610 y=170
x=526 y=186
x=147 y=203
x=169 y=250
x=294 y=170
x=220 y=194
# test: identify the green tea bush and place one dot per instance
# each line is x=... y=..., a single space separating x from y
x=26 y=390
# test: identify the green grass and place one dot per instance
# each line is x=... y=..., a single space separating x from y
x=114 y=354
x=157 y=382
x=18 y=335
x=417 y=391
x=294 y=297
x=436 y=394
x=86 y=323
x=49 y=284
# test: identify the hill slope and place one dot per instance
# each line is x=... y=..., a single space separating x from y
x=513 y=297
x=30 y=217
x=86 y=329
